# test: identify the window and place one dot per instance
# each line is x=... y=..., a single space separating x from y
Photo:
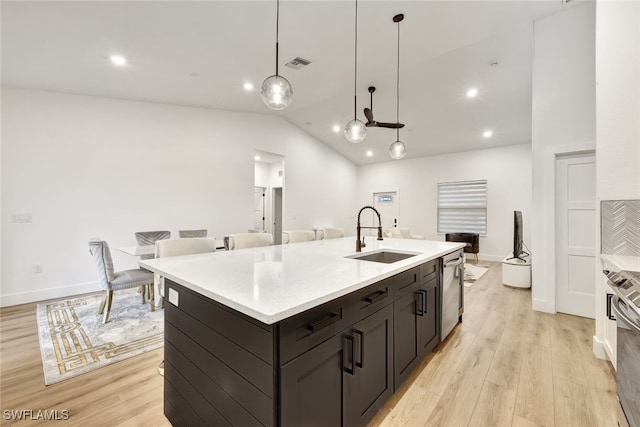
x=462 y=207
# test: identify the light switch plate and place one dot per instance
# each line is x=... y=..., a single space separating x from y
x=173 y=296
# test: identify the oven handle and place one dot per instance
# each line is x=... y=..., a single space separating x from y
x=621 y=314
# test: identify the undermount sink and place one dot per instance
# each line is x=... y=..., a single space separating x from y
x=385 y=256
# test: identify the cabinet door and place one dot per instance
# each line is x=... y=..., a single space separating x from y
x=372 y=383
x=405 y=337
x=313 y=384
x=427 y=317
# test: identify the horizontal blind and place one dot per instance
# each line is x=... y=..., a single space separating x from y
x=462 y=207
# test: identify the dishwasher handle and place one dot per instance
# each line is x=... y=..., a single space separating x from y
x=622 y=315
x=453 y=263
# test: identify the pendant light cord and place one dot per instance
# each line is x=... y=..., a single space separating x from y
x=277 y=31
x=355 y=72
x=398 y=87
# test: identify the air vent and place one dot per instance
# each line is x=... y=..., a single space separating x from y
x=298 y=63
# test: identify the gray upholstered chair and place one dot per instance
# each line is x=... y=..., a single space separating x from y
x=192 y=233
x=332 y=233
x=296 y=236
x=249 y=240
x=146 y=238
x=111 y=280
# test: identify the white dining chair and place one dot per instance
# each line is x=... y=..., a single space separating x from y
x=332 y=233
x=249 y=240
x=297 y=236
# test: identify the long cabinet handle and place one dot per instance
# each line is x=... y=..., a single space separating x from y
x=360 y=334
x=609 y=299
x=323 y=322
x=348 y=367
x=376 y=296
x=421 y=311
x=424 y=301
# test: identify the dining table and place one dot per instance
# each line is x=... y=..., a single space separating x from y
x=151 y=249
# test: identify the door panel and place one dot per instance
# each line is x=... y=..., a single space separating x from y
x=405 y=337
x=313 y=386
x=576 y=234
x=429 y=322
x=388 y=206
x=372 y=383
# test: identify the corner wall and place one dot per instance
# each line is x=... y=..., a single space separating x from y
x=96 y=167
x=563 y=122
x=506 y=169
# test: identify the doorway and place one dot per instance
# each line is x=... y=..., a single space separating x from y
x=388 y=204
x=575 y=217
x=277 y=216
x=258 y=204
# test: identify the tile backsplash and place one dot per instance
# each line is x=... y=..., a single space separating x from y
x=620 y=227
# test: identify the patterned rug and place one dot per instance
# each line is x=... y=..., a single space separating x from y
x=472 y=273
x=74 y=341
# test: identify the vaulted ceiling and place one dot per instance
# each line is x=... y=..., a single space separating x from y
x=201 y=53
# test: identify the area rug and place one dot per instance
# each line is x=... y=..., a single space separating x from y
x=472 y=273
x=73 y=339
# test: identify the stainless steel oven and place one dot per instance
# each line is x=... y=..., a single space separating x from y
x=626 y=306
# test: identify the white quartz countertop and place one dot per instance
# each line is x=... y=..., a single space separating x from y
x=273 y=283
x=621 y=262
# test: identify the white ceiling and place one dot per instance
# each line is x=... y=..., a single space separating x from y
x=200 y=54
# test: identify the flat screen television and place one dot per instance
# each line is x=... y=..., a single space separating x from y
x=518 y=253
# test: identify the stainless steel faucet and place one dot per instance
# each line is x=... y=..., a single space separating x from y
x=359 y=244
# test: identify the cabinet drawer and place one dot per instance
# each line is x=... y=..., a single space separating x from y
x=372 y=298
x=306 y=330
x=406 y=281
x=429 y=271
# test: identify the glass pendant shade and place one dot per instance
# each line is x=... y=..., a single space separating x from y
x=276 y=92
x=397 y=150
x=355 y=131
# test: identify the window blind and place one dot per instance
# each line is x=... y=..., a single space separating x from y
x=462 y=207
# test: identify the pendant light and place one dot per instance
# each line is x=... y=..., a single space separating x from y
x=276 y=91
x=397 y=150
x=355 y=131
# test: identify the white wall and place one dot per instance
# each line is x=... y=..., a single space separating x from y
x=563 y=121
x=507 y=170
x=95 y=167
x=618 y=117
x=618 y=99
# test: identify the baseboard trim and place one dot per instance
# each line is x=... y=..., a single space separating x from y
x=542 y=305
x=46 y=294
x=599 y=350
x=484 y=257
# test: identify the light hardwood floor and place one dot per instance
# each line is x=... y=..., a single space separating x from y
x=505 y=365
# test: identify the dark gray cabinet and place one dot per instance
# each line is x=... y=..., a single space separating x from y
x=343 y=381
x=333 y=365
x=415 y=327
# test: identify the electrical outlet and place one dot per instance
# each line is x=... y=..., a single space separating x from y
x=21 y=218
x=37 y=268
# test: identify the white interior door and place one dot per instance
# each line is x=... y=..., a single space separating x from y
x=387 y=204
x=258 y=202
x=576 y=234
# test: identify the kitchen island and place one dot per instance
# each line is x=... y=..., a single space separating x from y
x=300 y=334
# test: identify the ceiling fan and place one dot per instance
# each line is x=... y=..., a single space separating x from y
x=368 y=112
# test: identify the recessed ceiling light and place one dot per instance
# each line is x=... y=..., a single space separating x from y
x=369 y=153
x=118 y=60
x=248 y=86
x=472 y=92
x=487 y=133
x=336 y=128
x=257 y=157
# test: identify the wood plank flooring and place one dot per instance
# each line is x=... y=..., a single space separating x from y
x=505 y=365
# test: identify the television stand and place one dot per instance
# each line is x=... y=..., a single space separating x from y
x=516 y=271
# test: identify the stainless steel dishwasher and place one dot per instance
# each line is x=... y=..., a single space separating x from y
x=626 y=306
x=452 y=293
